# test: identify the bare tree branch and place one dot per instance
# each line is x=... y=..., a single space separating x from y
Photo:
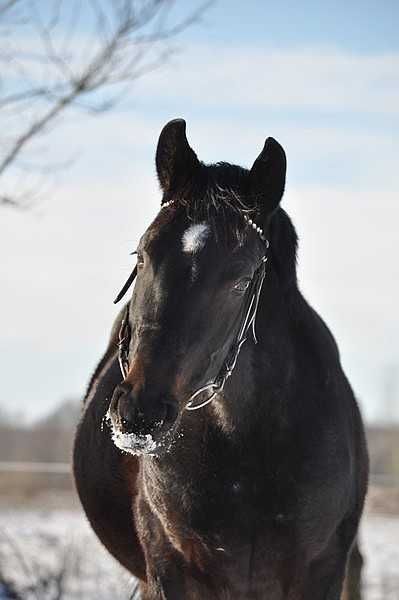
x=7 y=5
x=68 y=56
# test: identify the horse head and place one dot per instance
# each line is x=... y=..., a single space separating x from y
x=200 y=268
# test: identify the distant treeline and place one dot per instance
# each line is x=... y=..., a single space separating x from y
x=47 y=440
x=50 y=440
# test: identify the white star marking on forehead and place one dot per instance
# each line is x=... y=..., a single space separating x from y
x=194 y=238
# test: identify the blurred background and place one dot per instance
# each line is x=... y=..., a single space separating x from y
x=85 y=88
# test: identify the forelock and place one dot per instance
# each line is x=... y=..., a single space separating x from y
x=218 y=197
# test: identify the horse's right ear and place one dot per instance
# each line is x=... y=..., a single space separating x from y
x=175 y=160
x=267 y=178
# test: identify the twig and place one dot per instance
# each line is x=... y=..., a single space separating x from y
x=123 y=49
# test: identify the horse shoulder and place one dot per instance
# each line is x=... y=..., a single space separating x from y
x=105 y=479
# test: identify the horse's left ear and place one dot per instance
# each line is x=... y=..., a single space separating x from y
x=267 y=177
x=175 y=160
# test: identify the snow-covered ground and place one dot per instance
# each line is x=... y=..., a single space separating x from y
x=380 y=545
x=57 y=550
x=40 y=548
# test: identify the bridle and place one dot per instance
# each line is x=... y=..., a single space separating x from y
x=247 y=325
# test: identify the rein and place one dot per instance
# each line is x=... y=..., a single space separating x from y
x=247 y=324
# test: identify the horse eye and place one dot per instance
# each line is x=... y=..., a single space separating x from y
x=242 y=285
x=140 y=260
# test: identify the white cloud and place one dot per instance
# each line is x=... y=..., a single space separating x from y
x=316 y=78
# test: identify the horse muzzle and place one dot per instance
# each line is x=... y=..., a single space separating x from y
x=139 y=424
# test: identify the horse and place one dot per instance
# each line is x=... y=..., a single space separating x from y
x=221 y=452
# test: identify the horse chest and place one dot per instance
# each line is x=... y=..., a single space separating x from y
x=232 y=528
x=223 y=507
x=254 y=508
x=237 y=506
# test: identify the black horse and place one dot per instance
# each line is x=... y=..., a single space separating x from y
x=235 y=463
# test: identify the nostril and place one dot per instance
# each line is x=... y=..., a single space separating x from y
x=124 y=388
x=171 y=412
x=129 y=417
x=119 y=391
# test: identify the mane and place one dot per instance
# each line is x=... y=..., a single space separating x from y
x=284 y=246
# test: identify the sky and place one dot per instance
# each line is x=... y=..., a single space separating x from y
x=323 y=79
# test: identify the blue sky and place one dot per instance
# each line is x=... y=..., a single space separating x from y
x=322 y=78
x=360 y=26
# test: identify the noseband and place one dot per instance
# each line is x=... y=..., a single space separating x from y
x=247 y=325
